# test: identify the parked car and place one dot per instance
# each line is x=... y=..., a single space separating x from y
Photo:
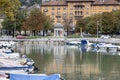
x=105 y=36
x=21 y=37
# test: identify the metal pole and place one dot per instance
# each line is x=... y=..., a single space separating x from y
x=97 y=28
x=14 y=26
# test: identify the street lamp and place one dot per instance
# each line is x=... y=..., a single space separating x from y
x=97 y=28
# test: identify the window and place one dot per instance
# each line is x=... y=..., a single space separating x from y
x=71 y=8
x=53 y=8
x=114 y=8
x=106 y=8
x=52 y=18
x=64 y=8
x=58 y=13
x=87 y=8
x=58 y=8
x=71 y=13
x=87 y=13
x=52 y=13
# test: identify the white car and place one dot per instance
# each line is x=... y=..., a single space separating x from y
x=105 y=36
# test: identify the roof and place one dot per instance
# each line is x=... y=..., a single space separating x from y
x=79 y=0
x=94 y=2
x=58 y=25
x=54 y=3
x=105 y=2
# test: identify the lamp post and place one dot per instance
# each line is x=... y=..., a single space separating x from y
x=14 y=28
x=97 y=28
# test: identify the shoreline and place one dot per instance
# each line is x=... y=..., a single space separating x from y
x=106 y=40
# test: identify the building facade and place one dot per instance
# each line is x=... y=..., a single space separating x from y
x=73 y=10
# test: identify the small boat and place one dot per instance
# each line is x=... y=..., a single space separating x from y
x=9 y=44
x=118 y=48
x=104 y=47
x=112 y=48
x=84 y=43
x=101 y=46
x=72 y=43
x=32 y=77
x=24 y=65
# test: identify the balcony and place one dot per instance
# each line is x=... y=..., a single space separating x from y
x=78 y=17
x=58 y=16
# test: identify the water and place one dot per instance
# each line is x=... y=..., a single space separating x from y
x=73 y=63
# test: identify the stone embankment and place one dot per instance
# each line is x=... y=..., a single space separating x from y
x=107 y=40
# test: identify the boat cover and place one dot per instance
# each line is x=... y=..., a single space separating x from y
x=83 y=41
x=34 y=77
x=15 y=68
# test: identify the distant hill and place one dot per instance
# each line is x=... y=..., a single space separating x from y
x=29 y=3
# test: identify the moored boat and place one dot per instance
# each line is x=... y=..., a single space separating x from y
x=31 y=76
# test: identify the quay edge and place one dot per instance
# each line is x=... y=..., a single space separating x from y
x=94 y=40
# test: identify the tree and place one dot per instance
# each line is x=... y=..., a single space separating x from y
x=67 y=21
x=37 y=21
x=92 y=27
x=13 y=25
x=8 y=25
x=117 y=21
x=108 y=22
x=9 y=7
x=80 y=24
x=47 y=24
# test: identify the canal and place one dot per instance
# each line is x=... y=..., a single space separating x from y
x=72 y=62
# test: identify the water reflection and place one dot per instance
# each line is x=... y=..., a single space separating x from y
x=72 y=62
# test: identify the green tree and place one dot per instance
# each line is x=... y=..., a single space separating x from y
x=86 y=22
x=37 y=21
x=107 y=22
x=9 y=7
x=13 y=25
x=92 y=27
x=116 y=15
x=80 y=24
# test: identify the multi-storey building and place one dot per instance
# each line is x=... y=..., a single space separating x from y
x=73 y=10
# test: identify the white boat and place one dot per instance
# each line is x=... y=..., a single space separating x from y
x=104 y=47
x=112 y=48
x=8 y=53
x=101 y=46
x=73 y=43
x=9 y=44
x=118 y=48
x=15 y=65
x=11 y=55
x=11 y=66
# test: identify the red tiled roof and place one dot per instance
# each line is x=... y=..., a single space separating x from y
x=80 y=0
x=55 y=3
x=95 y=2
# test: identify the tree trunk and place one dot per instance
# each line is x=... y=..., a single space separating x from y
x=13 y=33
x=43 y=33
x=25 y=32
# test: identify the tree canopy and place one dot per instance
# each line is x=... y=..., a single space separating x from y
x=37 y=21
x=9 y=7
x=106 y=23
x=9 y=24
